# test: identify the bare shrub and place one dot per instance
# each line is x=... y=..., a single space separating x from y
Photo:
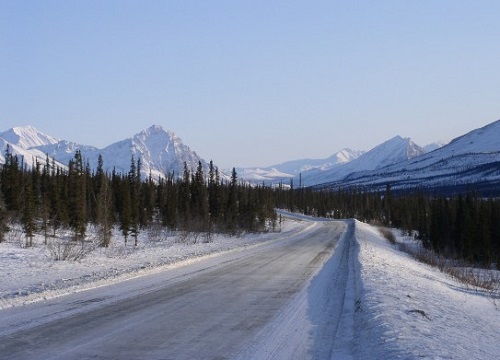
x=15 y=235
x=388 y=234
x=69 y=250
x=156 y=233
x=477 y=279
x=183 y=237
x=207 y=237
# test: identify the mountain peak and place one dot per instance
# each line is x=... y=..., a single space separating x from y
x=27 y=137
x=156 y=133
x=155 y=128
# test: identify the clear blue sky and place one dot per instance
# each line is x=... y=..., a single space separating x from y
x=251 y=82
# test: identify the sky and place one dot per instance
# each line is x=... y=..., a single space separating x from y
x=251 y=82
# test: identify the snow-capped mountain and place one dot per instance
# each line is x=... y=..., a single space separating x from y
x=161 y=152
x=287 y=170
x=391 y=152
x=27 y=137
x=469 y=162
x=26 y=141
x=435 y=146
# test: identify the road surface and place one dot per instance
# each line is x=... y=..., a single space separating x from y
x=281 y=299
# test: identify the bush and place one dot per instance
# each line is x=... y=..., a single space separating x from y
x=388 y=234
x=71 y=250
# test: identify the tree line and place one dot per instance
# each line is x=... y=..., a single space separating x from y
x=463 y=226
x=44 y=198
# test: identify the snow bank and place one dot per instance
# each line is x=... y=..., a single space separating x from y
x=410 y=310
x=31 y=274
x=392 y=305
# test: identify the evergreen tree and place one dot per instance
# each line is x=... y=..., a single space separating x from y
x=184 y=201
x=214 y=196
x=103 y=204
x=77 y=196
x=232 y=212
x=12 y=174
x=199 y=201
x=125 y=209
x=28 y=217
x=134 y=179
x=3 y=216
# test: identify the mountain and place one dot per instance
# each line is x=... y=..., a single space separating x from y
x=161 y=151
x=288 y=170
x=391 y=152
x=27 y=137
x=469 y=162
x=25 y=141
x=435 y=146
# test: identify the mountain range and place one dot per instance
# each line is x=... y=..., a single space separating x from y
x=161 y=152
x=469 y=161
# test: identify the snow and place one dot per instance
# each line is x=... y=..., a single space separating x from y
x=280 y=172
x=482 y=140
x=471 y=159
x=161 y=151
x=27 y=137
x=391 y=152
x=31 y=274
x=410 y=310
x=392 y=306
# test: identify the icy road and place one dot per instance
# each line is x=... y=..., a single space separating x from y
x=267 y=301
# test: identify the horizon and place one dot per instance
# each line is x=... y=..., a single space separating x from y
x=251 y=84
x=208 y=159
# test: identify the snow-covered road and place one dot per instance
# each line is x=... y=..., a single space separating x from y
x=268 y=301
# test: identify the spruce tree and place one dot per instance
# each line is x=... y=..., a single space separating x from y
x=103 y=204
x=134 y=179
x=125 y=209
x=3 y=215
x=28 y=218
x=77 y=196
x=232 y=211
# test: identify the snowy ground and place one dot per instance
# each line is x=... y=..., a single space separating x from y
x=392 y=306
x=410 y=310
x=32 y=274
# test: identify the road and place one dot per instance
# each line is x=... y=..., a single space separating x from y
x=254 y=304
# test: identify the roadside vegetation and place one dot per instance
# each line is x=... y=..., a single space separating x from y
x=45 y=199
x=63 y=204
x=460 y=235
x=465 y=227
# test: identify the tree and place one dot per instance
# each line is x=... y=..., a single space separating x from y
x=199 y=201
x=232 y=212
x=103 y=205
x=184 y=200
x=3 y=216
x=77 y=196
x=12 y=175
x=28 y=217
x=124 y=209
x=134 y=179
x=215 y=200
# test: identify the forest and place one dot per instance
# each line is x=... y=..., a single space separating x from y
x=44 y=198
x=463 y=227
